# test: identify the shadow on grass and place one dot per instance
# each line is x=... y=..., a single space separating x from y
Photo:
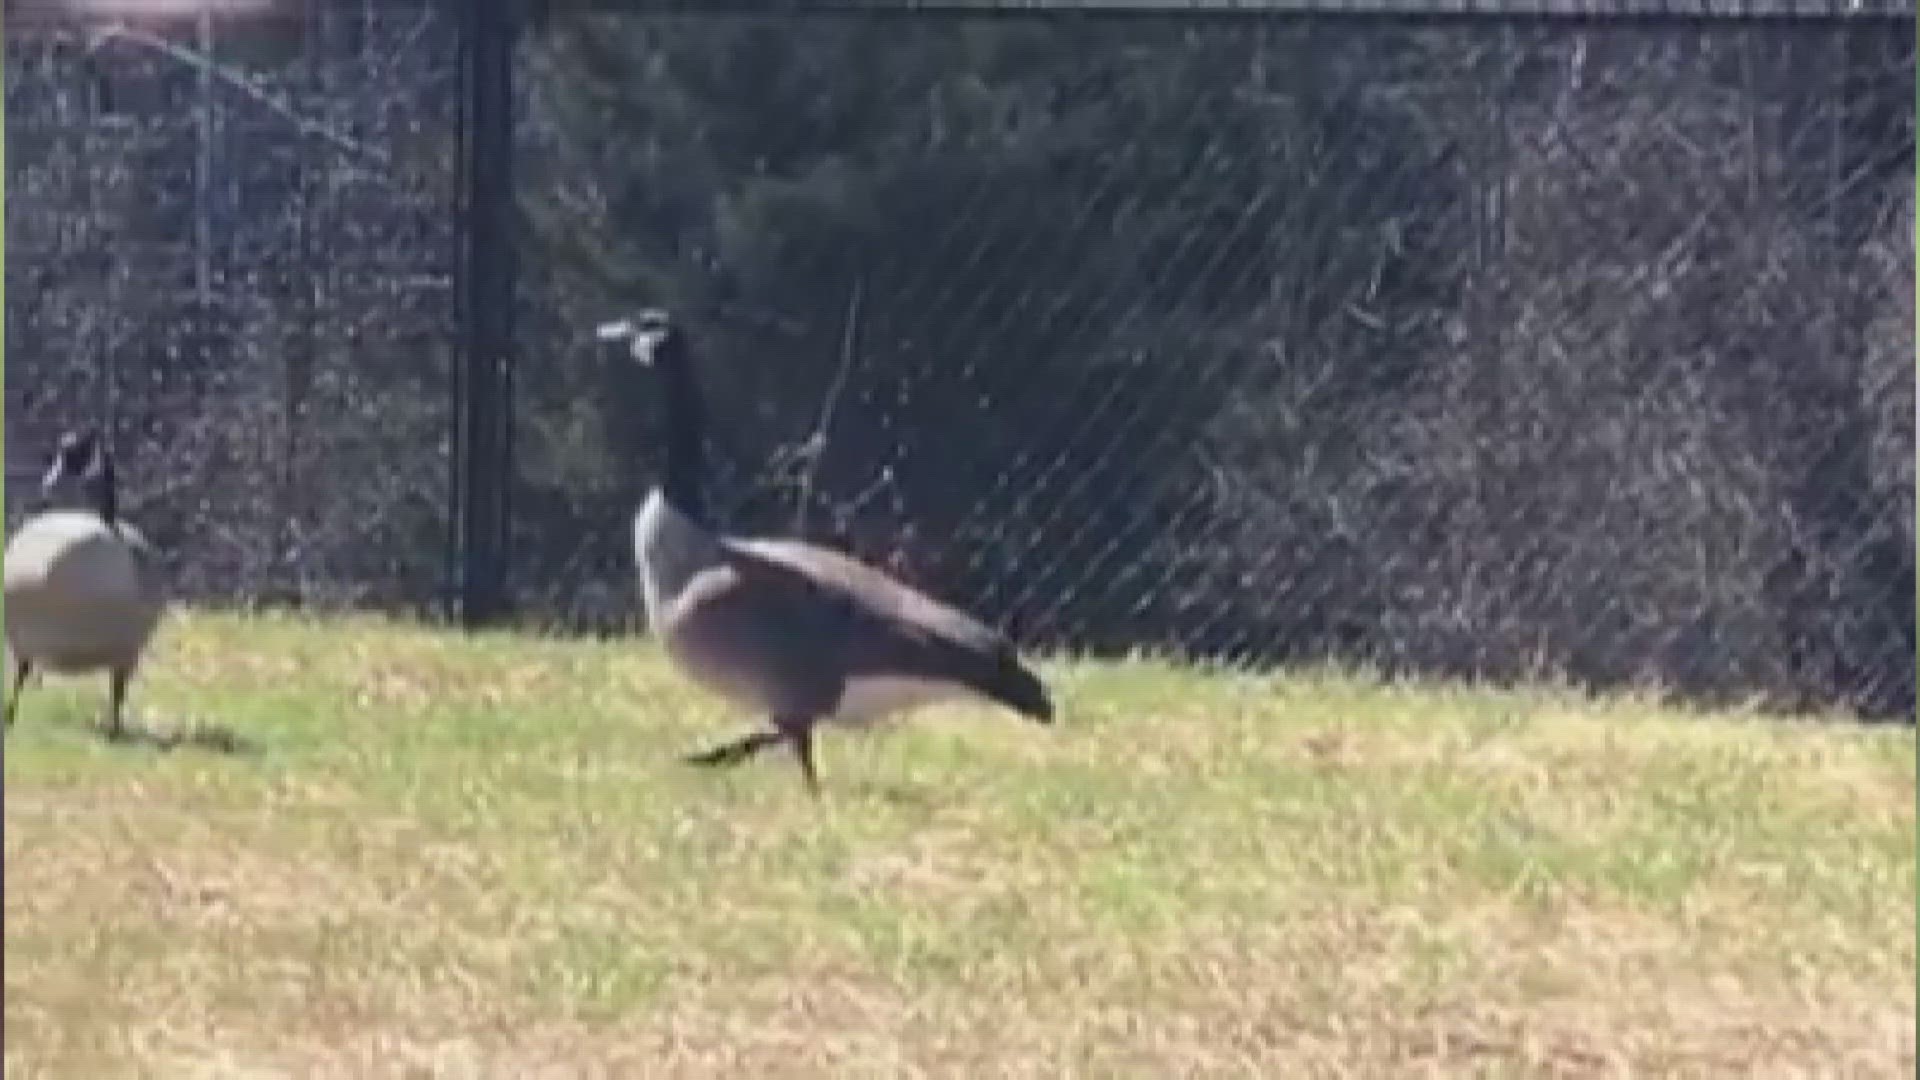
x=208 y=738
x=901 y=796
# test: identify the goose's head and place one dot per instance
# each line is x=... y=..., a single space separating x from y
x=649 y=335
x=80 y=455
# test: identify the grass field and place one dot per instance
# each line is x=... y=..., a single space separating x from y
x=439 y=856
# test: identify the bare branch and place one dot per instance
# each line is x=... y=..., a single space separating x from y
x=814 y=448
x=239 y=80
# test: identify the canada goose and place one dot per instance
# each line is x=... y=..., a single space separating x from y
x=792 y=630
x=82 y=586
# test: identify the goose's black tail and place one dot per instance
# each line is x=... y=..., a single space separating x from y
x=1019 y=689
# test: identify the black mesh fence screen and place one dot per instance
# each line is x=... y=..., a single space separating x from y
x=1508 y=346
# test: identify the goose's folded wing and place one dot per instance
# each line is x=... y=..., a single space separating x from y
x=895 y=625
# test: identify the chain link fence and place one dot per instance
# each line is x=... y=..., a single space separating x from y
x=1519 y=348
x=232 y=236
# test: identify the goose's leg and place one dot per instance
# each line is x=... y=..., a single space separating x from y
x=116 y=700
x=737 y=751
x=799 y=735
x=22 y=672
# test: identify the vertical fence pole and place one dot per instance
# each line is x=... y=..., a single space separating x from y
x=482 y=450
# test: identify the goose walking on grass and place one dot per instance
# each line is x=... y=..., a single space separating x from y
x=83 y=590
x=793 y=631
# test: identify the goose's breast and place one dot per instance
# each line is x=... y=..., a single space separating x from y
x=670 y=553
x=720 y=662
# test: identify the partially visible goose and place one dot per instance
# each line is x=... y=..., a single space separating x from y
x=794 y=631
x=83 y=590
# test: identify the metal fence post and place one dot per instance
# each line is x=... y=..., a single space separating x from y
x=483 y=464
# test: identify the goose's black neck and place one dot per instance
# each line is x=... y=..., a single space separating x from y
x=106 y=492
x=682 y=414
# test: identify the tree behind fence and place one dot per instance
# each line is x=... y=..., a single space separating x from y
x=1495 y=347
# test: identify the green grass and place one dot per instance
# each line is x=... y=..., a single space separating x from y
x=477 y=856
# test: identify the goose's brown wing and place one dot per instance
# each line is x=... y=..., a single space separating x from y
x=148 y=562
x=885 y=626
